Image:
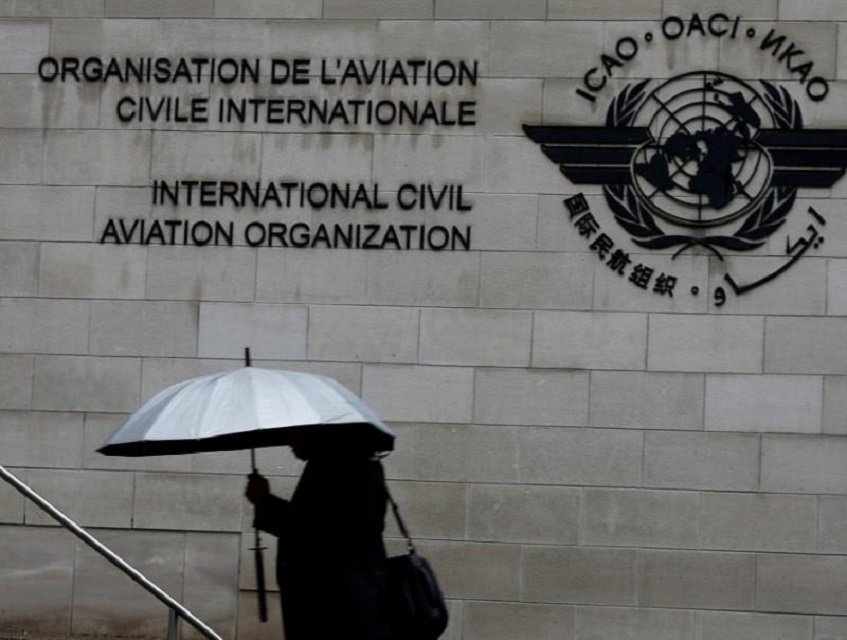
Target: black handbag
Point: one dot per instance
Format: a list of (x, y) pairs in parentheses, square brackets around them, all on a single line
[(418, 610)]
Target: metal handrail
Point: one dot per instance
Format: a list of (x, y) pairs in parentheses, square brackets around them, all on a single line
[(177, 611)]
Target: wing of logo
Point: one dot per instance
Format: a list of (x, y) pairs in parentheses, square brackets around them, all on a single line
[(701, 152)]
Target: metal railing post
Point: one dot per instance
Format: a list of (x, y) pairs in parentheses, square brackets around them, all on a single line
[(177, 611), (173, 625)]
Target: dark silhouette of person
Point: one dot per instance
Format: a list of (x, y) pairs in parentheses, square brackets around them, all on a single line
[(330, 554)]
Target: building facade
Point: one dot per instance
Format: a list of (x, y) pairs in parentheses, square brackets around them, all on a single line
[(588, 260)]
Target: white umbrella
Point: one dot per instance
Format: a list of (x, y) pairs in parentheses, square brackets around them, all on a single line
[(243, 409)]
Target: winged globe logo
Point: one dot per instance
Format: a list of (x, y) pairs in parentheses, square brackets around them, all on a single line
[(702, 160)]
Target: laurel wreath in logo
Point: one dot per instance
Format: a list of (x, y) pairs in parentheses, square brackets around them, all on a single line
[(632, 213)]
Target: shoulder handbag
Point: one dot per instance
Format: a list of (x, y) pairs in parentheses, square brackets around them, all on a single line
[(418, 610)]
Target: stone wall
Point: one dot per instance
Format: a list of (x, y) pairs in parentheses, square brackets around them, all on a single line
[(580, 458)]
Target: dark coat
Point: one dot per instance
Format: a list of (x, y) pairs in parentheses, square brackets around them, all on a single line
[(330, 554)]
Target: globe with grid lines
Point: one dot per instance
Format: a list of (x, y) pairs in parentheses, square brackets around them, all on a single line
[(702, 166)]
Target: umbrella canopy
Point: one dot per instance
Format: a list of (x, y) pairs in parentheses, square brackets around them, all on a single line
[(246, 408)]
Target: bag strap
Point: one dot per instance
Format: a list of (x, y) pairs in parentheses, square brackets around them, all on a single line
[(400, 524)]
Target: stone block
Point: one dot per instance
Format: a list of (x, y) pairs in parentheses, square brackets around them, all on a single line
[(160, 373), (453, 39), (536, 280), (430, 509), (491, 9), (59, 8), (92, 271), (802, 290), (11, 501), (801, 584), (36, 439), (107, 603), (143, 328), (604, 10), (404, 159), (712, 461), (517, 165), (830, 628), (556, 230), (646, 399), (187, 501), (159, 8), (201, 273), (696, 579), (215, 38), (503, 105), (22, 44), (531, 515), (314, 276), (211, 570), (47, 213), (806, 345), (33, 104), (835, 404), (363, 334), (764, 403), (836, 295), (110, 111), (804, 464), (338, 38), (312, 157), (206, 156), (563, 105), (758, 522), (97, 157), (81, 37), (480, 337), (493, 219), (616, 293), (535, 49), (602, 623), (460, 453), (16, 381), (90, 498), (760, 10), (29, 325), (274, 331), (659, 60), (268, 9), (418, 393), (384, 9), (79, 383), (22, 162), (509, 620), (528, 396), (589, 340), (634, 518), (731, 625), (576, 575), (832, 524), (422, 279), (705, 343), (468, 570), (817, 39), (580, 456), (19, 265), (39, 605)]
